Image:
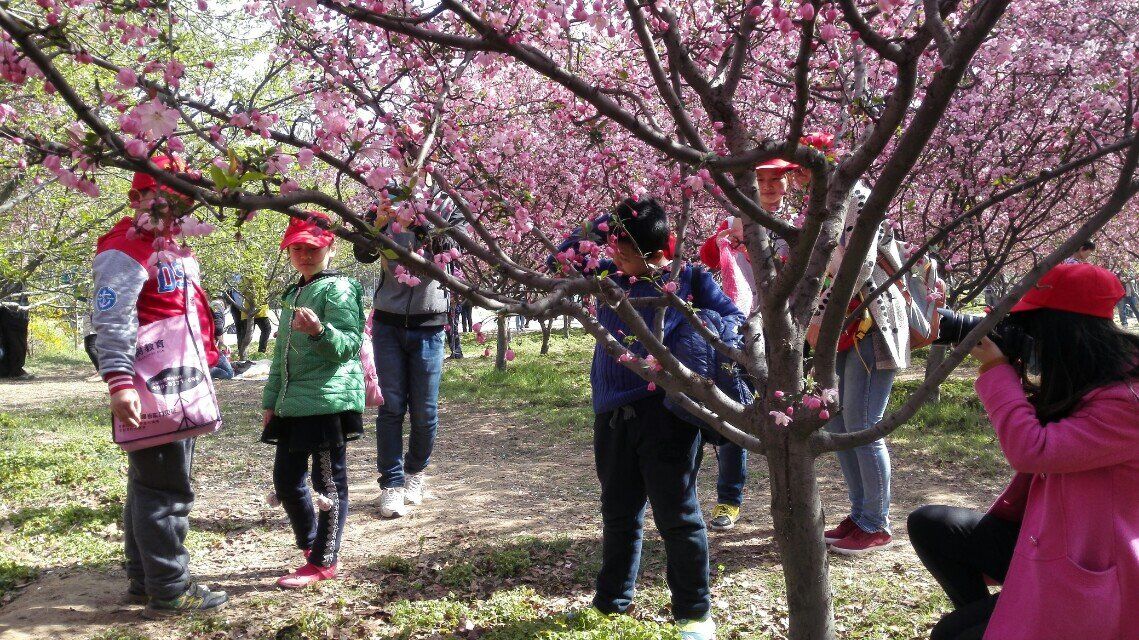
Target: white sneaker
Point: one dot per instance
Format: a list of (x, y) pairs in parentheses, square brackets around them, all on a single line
[(414, 486), (391, 503)]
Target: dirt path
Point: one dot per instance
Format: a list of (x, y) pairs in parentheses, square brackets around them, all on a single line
[(63, 385), (492, 479)]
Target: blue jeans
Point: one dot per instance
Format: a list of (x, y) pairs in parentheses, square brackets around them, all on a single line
[(731, 462), (223, 370), (646, 455), (866, 469), (410, 363)]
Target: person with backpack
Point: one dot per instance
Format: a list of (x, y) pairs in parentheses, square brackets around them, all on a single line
[(136, 285), (314, 397), (408, 319), (872, 350), (643, 451)]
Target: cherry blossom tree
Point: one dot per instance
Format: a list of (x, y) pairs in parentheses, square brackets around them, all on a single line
[(982, 128)]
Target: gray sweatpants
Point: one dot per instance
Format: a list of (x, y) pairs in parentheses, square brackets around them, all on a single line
[(156, 518)]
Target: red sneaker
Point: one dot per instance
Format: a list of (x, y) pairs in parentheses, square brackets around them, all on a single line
[(860, 542), (844, 529), (306, 575)]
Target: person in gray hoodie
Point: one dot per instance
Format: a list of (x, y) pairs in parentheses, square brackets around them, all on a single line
[(408, 318)]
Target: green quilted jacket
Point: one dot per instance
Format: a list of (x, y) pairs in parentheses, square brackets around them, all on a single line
[(312, 376)]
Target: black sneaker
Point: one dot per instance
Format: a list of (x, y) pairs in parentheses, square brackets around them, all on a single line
[(195, 598)]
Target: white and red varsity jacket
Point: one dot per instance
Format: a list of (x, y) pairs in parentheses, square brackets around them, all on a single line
[(130, 293)]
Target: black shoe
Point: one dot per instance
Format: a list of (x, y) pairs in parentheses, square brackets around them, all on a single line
[(136, 594), (195, 598)]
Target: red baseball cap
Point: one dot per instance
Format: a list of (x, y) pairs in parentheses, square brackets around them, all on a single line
[(1079, 288), (777, 164), (306, 231), (143, 181)]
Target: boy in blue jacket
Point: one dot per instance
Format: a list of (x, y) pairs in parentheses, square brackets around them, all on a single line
[(643, 452)]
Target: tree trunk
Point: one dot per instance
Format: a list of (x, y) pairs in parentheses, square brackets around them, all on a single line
[(936, 355), (797, 514), (565, 326), (502, 340), (547, 329)]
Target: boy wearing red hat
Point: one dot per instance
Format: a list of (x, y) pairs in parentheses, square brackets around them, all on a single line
[(314, 397), (135, 285)]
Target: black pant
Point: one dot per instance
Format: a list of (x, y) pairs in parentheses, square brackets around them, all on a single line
[(321, 533), (241, 328), (13, 342), (89, 347), (264, 328), (644, 452), (960, 547), (454, 337), (156, 518), (468, 322)]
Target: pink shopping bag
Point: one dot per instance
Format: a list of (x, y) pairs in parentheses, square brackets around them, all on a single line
[(173, 382), (373, 397)]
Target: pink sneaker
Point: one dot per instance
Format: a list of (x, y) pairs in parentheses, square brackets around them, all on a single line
[(859, 542), (306, 575), (844, 529)]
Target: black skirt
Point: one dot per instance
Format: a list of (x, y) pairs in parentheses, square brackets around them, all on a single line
[(314, 433)]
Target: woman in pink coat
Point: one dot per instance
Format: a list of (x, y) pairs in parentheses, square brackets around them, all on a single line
[(1064, 536)]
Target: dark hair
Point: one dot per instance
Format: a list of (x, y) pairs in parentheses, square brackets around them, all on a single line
[(1088, 244), (642, 222), (1075, 353)]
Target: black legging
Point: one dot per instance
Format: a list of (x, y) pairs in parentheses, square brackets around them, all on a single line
[(264, 328), (960, 547)]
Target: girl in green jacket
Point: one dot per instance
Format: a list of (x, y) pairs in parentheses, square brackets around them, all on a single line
[(314, 398)]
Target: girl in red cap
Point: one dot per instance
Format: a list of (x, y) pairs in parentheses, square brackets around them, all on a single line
[(726, 253), (314, 398), (1063, 538)]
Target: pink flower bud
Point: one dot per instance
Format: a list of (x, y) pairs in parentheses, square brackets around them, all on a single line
[(825, 415)]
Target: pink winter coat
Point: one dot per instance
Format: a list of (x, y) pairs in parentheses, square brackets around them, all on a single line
[(1075, 569)]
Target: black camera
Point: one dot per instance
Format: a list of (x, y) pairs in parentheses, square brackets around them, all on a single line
[(1008, 335)]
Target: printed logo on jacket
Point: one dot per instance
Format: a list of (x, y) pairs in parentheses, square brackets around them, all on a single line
[(171, 276)]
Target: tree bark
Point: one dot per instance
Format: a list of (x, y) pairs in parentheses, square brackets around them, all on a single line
[(936, 355), (502, 339), (797, 514), (565, 326), (547, 329)]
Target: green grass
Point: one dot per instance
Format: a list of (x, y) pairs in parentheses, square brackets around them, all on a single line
[(952, 432), (120, 632), (552, 389), (62, 492), (517, 614)]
